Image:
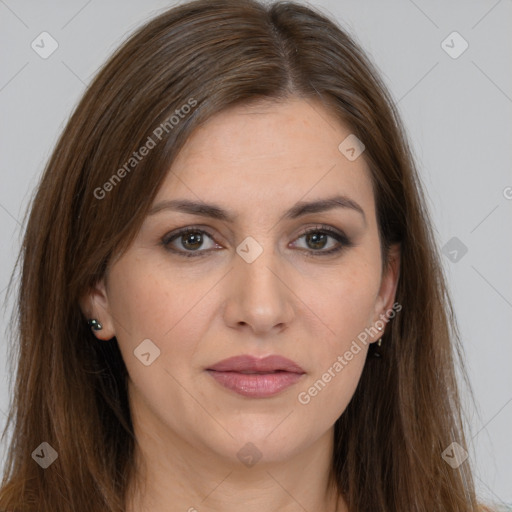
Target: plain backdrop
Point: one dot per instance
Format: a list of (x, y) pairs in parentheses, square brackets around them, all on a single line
[(457, 109)]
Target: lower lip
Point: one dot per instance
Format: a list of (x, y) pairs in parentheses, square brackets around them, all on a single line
[(256, 385)]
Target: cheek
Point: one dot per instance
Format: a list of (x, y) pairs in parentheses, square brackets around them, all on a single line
[(340, 358), (347, 308), (137, 303), (162, 306), (345, 304), (355, 298), (147, 300), (327, 396)]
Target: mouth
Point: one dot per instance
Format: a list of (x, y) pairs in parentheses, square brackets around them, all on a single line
[(256, 378)]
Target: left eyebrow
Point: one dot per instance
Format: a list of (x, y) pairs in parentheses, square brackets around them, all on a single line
[(298, 210)]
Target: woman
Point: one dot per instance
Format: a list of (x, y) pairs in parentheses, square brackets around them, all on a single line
[(230, 291)]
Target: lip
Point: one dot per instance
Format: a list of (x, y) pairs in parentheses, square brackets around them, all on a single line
[(269, 375)]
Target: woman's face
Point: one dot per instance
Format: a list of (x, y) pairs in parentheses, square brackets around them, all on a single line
[(252, 284)]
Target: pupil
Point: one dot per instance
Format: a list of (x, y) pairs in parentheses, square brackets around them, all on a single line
[(193, 236), (315, 237)]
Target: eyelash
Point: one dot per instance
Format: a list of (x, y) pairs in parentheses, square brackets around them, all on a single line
[(338, 236)]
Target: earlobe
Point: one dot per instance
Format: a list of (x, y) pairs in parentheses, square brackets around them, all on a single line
[(95, 307), (389, 281), (384, 304)]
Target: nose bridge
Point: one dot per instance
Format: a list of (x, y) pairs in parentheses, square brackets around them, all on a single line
[(257, 264), (259, 296)]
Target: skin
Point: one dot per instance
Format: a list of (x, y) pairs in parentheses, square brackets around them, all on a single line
[(257, 161)]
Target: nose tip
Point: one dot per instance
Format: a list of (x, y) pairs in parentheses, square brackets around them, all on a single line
[(258, 296)]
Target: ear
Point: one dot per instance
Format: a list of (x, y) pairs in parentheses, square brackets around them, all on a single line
[(94, 304), (388, 286)]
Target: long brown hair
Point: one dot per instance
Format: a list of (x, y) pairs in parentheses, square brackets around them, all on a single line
[(70, 390)]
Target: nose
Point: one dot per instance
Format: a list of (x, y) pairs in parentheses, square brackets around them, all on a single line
[(259, 292)]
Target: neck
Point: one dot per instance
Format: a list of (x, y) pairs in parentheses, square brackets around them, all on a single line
[(179, 477)]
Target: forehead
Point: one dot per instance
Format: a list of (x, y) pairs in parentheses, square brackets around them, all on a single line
[(268, 153)]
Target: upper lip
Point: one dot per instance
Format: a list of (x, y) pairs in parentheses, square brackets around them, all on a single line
[(248, 363)]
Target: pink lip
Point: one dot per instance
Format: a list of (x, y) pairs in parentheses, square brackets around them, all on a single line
[(272, 375)]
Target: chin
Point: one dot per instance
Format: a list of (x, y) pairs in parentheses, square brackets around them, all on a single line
[(256, 447)]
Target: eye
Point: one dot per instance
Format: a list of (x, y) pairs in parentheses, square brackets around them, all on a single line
[(192, 239), (318, 237)]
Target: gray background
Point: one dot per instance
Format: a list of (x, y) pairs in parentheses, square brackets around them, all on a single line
[(457, 112)]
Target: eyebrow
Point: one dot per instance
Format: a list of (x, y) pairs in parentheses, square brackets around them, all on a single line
[(298, 210)]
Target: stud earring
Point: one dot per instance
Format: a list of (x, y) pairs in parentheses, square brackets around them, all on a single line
[(379, 343), (96, 326)]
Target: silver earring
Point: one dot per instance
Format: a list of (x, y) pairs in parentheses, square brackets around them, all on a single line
[(379, 343), (96, 326)]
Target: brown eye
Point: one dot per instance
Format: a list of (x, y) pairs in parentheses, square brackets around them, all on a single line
[(190, 239), (317, 239), (189, 242)]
